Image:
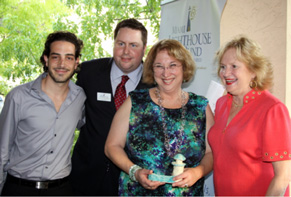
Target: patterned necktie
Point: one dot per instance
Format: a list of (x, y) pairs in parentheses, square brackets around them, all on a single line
[(120, 93)]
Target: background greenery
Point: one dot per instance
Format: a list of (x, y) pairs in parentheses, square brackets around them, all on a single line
[(25, 24)]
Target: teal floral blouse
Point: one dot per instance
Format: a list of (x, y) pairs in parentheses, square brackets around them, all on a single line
[(145, 142)]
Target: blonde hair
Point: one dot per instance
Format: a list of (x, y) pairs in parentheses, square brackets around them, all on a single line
[(249, 52), (175, 49)]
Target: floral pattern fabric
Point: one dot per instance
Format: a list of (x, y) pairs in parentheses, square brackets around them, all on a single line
[(145, 142)]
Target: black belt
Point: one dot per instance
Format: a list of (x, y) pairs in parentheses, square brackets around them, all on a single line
[(36, 184)]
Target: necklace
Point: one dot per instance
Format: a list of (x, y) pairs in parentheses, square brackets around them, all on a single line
[(164, 124), (236, 105)]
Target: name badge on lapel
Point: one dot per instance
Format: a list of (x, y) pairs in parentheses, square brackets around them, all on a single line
[(101, 96)]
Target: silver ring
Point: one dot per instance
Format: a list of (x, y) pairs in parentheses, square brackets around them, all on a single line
[(186, 185)]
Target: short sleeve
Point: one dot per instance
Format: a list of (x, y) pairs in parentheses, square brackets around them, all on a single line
[(276, 134)]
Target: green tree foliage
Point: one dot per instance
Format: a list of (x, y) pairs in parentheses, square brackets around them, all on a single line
[(24, 25), (23, 28)]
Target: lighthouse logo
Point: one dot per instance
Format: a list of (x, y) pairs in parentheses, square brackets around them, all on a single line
[(191, 16)]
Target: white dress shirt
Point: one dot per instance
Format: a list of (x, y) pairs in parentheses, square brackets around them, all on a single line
[(131, 84)]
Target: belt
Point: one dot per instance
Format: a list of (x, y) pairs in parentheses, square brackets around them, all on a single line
[(36, 184)]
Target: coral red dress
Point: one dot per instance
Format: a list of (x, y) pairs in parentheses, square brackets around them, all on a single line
[(243, 151)]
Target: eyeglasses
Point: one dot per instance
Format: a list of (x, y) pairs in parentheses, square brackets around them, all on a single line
[(172, 68)]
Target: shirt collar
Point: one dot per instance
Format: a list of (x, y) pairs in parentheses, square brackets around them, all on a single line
[(36, 85), (249, 97)]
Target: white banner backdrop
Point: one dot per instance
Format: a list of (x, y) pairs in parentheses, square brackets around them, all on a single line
[(196, 24)]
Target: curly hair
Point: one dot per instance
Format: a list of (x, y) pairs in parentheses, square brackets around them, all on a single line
[(132, 24), (249, 52), (61, 36), (175, 49)]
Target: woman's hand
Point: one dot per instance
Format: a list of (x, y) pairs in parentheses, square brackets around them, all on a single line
[(191, 175), (188, 178), (142, 177)]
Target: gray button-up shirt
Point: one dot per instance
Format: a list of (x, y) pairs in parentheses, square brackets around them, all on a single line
[(35, 139)]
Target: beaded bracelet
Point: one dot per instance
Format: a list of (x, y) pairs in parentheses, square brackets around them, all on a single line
[(132, 171)]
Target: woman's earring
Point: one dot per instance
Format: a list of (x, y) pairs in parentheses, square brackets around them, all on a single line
[(253, 84)]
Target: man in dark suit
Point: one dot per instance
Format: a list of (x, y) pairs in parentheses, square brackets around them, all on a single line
[(92, 172)]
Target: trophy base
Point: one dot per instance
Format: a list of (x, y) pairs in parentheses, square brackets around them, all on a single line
[(161, 178)]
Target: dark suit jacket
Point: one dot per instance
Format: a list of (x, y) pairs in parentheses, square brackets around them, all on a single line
[(92, 172)]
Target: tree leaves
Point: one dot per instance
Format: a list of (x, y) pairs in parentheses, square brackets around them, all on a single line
[(24, 26)]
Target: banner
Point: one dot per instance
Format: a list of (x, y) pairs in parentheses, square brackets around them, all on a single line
[(196, 24)]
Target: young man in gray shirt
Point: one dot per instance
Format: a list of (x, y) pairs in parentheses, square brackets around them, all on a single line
[(38, 121)]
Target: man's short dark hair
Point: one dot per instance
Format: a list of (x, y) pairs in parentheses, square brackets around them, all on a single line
[(132, 24), (60, 36)]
